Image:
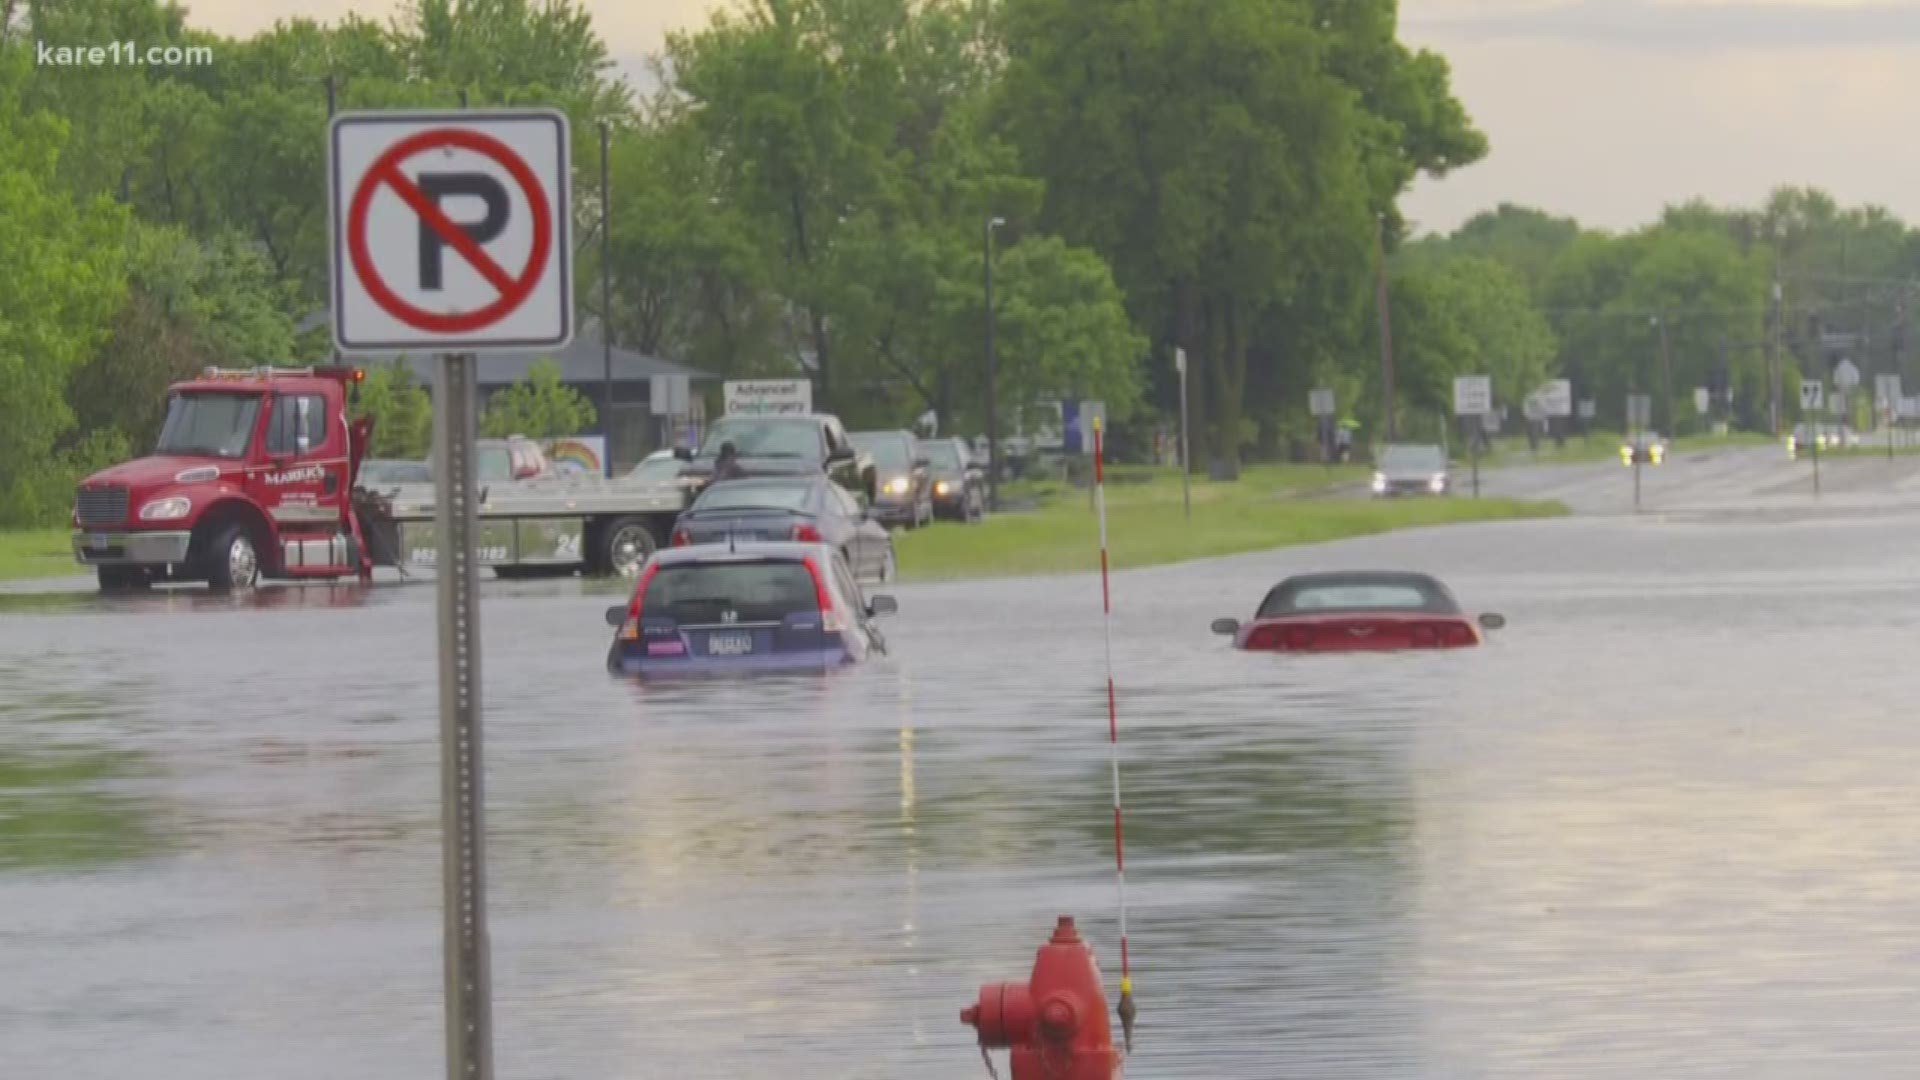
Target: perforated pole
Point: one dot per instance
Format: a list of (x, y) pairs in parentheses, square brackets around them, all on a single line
[(469, 985), (1126, 1007)]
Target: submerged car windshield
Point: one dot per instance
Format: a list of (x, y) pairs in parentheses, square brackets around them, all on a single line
[(1358, 593), (209, 423), (1413, 459), (754, 495), (889, 451), (750, 591), (764, 438)]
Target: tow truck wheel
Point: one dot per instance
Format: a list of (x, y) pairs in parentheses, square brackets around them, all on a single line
[(626, 545), (123, 578), (232, 561)]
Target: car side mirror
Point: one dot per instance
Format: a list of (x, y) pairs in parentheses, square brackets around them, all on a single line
[(1226, 627), (879, 606), (841, 453), (682, 453), (616, 615), (1492, 621)]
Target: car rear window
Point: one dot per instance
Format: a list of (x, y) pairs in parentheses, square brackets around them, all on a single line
[(1310, 597), (738, 496), (751, 591)]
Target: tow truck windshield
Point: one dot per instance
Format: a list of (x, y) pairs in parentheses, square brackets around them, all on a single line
[(210, 423)]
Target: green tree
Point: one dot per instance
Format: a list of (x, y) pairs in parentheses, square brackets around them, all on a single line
[(401, 411), (60, 260), (539, 406)]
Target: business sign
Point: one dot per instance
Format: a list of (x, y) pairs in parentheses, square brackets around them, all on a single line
[(449, 230), (1556, 397), (768, 397), (1472, 395), (1320, 402)]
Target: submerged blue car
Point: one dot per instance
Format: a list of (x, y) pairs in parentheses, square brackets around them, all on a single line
[(744, 607)]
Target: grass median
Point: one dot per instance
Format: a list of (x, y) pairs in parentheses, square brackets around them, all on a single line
[(1269, 507), (36, 553)]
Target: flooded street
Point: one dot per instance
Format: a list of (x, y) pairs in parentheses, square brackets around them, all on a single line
[(1662, 826)]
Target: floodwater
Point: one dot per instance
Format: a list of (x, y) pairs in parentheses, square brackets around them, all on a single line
[(1662, 826)]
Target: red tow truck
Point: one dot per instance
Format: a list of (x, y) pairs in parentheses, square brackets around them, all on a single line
[(253, 477)]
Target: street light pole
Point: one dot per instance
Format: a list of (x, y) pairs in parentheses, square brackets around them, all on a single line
[(1773, 354), (1666, 379), (1386, 325), (606, 300), (993, 411)]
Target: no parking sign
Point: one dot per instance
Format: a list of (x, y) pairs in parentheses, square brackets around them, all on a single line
[(450, 230)]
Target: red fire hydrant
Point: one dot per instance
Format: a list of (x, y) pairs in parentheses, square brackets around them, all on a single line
[(1056, 1021)]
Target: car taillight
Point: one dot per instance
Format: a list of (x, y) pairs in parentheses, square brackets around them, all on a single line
[(807, 534), (1422, 636), (682, 538), (1299, 638), (1266, 637), (1459, 635), (830, 620), (632, 629)]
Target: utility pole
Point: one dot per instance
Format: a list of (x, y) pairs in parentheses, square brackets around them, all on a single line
[(1186, 464), (1386, 326), (993, 410), (1773, 353), (1666, 379), (606, 299)]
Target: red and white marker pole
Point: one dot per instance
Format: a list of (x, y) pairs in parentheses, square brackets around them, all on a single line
[(1126, 1008)]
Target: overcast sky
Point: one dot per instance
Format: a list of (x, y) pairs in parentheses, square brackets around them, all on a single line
[(1602, 109)]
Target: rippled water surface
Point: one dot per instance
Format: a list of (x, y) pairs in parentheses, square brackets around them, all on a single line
[(1663, 826)]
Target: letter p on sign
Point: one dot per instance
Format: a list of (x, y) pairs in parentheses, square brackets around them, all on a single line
[(450, 230)]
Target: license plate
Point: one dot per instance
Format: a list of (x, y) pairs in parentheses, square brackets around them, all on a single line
[(729, 644), (98, 541)]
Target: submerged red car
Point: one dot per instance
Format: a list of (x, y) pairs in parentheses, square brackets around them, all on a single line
[(1358, 611)]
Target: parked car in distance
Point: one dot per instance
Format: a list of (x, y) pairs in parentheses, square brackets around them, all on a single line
[(804, 509), (753, 607), (959, 482), (903, 480), (1411, 469), (1644, 447), (1358, 611)]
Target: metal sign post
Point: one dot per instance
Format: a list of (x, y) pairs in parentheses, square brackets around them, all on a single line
[(469, 980), (1812, 398), (1320, 404), (414, 269), (1639, 416), (1186, 464)]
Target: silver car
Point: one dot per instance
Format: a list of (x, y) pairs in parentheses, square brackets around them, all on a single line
[(1411, 469)]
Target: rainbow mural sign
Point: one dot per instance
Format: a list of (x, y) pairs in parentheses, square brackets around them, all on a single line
[(584, 455)]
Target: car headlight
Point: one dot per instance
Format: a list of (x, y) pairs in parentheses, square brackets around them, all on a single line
[(943, 487), (898, 486), (166, 509), (1379, 481)]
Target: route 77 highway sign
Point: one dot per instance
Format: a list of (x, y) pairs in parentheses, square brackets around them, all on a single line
[(1813, 393)]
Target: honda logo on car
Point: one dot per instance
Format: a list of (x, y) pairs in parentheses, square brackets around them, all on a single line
[(305, 474)]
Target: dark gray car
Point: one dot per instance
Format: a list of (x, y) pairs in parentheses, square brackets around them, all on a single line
[(903, 483), (805, 509)]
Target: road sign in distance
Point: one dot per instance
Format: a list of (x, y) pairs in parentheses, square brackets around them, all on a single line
[(1702, 401), (1845, 375), (1472, 395), (1813, 394), (1556, 397), (1589, 409), (1886, 389), (1320, 402), (1639, 410), (449, 230)]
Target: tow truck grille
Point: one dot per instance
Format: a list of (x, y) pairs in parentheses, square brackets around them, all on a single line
[(101, 506)]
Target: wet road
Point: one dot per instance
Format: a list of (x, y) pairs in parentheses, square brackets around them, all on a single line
[(1662, 827)]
